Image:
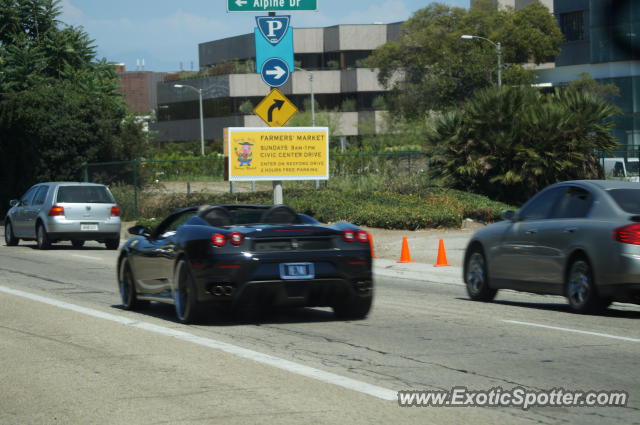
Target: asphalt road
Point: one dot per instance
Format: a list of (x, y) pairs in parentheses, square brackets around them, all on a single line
[(73, 356)]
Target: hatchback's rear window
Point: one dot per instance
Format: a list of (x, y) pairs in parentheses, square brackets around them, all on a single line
[(84, 195), (627, 199)]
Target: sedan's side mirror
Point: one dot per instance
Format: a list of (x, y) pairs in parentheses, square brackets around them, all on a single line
[(139, 230), (14, 203), (509, 215)]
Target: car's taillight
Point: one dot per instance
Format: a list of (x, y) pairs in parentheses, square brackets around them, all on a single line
[(115, 212), (628, 234), (218, 240), (236, 238), (362, 236), (349, 236), (56, 211)]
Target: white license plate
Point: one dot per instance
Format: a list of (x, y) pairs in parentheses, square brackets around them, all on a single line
[(298, 271), (88, 227)]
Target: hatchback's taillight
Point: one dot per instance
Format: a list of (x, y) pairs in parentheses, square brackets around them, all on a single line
[(628, 234), (349, 235), (56, 211), (218, 240), (115, 212), (236, 238)]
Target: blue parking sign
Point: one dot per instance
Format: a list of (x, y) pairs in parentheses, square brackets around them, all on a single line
[(273, 28)]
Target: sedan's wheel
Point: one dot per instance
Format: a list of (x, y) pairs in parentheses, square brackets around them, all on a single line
[(127, 287), (42, 239), (184, 294), (476, 277), (581, 290), (354, 307), (112, 243), (9, 238), (77, 244)]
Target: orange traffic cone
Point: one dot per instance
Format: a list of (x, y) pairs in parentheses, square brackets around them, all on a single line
[(442, 256), (373, 252), (405, 255)]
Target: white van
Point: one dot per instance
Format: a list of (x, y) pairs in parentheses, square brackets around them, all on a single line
[(621, 169)]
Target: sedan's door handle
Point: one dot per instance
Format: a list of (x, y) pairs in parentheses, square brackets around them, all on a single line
[(570, 229), (531, 231)]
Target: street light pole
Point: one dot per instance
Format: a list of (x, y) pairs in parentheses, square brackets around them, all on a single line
[(313, 100), (199, 91), (498, 47)]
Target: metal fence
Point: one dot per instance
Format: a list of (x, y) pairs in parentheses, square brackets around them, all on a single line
[(140, 176)]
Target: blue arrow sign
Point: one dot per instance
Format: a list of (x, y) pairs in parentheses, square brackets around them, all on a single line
[(273, 28), (275, 72), (266, 50)]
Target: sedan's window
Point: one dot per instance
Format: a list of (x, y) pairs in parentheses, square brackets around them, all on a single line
[(40, 196), (541, 205), (627, 199), (575, 203), (85, 195)]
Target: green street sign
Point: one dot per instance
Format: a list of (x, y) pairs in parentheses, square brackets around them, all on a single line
[(271, 5)]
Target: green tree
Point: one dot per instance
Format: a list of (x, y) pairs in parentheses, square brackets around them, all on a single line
[(510, 143), (432, 68), (586, 83), (58, 103)]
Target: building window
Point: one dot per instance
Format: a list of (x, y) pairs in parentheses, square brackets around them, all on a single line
[(572, 25)]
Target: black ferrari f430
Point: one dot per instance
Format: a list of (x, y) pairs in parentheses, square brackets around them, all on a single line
[(231, 257)]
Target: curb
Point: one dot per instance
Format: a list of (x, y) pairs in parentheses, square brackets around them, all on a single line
[(450, 275)]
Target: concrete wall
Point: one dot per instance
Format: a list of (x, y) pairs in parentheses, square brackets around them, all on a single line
[(308, 40)]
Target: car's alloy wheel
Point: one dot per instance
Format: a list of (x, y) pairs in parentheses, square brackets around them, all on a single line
[(42, 239), (476, 277), (9, 238), (184, 294), (581, 291)]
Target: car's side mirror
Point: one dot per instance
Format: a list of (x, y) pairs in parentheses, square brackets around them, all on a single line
[(14, 203), (509, 215), (139, 230)]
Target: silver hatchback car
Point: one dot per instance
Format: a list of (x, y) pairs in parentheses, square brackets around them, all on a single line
[(56, 211), (580, 239)]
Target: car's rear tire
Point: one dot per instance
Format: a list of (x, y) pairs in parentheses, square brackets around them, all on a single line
[(185, 294), (581, 290), (42, 238), (77, 243), (112, 243), (127, 288), (476, 276), (354, 307), (9, 237)]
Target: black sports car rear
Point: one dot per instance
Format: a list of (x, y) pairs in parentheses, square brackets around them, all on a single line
[(232, 257)]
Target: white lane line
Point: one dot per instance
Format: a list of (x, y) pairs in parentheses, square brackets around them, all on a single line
[(317, 374), (577, 331), (86, 256)]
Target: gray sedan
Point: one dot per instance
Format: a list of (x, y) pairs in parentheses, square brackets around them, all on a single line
[(51, 212), (579, 239)]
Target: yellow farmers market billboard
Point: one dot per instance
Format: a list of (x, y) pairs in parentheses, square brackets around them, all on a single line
[(279, 153)]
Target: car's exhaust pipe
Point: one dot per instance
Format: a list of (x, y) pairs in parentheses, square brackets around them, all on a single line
[(228, 290), (218, 291)]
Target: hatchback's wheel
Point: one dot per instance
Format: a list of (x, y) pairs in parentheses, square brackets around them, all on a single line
[(77, 243), (9, 237), (354, 307), (476, 277), (127, 288), (42, 239), (185, 294), (581, 290), (112, 243)]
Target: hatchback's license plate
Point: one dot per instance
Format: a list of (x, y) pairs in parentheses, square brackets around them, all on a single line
[(88, 227), (297, 271)]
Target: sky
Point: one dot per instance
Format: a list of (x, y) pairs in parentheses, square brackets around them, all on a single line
[(166, 34)]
